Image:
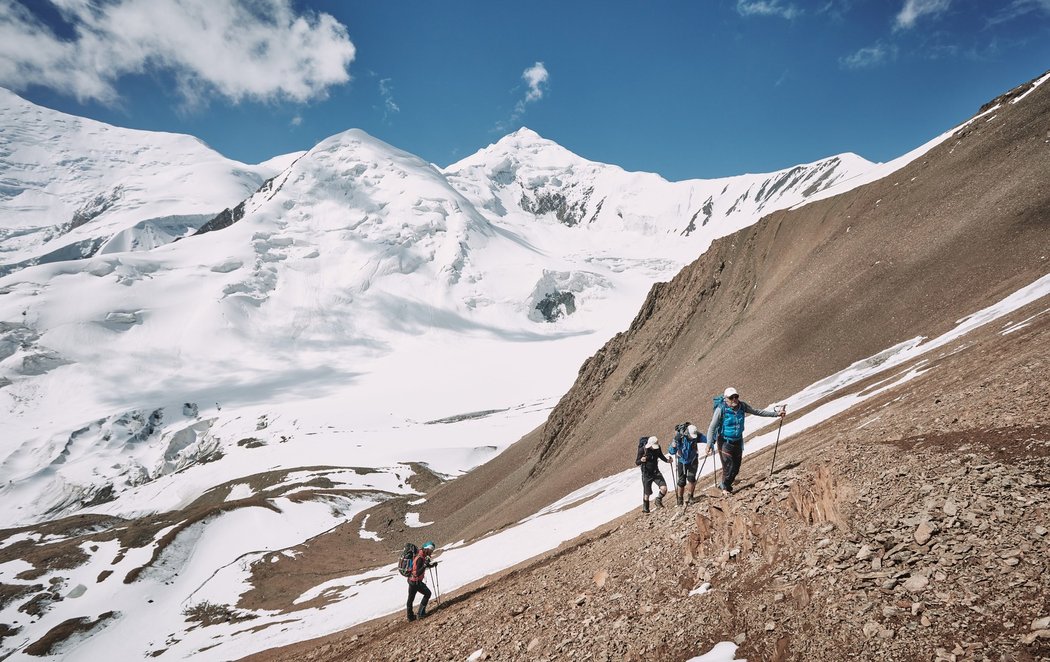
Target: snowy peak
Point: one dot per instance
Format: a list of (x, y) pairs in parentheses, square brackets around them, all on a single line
[(74, 187), (524, 172)]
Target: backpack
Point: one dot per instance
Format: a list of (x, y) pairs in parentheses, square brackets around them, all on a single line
[(642, 441), (684, 447), (408, 554)]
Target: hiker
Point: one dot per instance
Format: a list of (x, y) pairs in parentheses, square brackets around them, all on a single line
[(649, 454), (727, 429), (684, 448), (416, 575)]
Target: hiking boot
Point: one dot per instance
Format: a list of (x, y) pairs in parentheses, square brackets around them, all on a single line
[(680, 502), (411, 617), (660, 501), (645, 506), (422, 613), (692, 499)]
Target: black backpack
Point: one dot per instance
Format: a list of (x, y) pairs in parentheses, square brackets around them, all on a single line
[(408, 554)]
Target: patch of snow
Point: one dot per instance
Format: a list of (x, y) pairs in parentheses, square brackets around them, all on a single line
[(722, 652), (412, 520), (240, 491), (701, 589)]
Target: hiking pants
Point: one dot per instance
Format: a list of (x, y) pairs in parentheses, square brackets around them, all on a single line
[(648, 479), (688, 472), (732, 453), (421, 588)]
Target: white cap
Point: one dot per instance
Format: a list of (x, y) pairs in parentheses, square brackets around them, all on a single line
[(691, 431), (652, 443), (730, 391)]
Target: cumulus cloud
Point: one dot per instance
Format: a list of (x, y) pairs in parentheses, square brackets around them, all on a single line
[(767, 8), (869, 56), (259, 50), (915, 9)]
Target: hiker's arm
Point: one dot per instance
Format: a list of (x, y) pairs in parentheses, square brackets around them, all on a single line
[(641, 457), (760, 412), (713, 429)]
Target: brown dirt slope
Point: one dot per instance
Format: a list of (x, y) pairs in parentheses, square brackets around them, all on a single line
[(777, 306), (913, 526)]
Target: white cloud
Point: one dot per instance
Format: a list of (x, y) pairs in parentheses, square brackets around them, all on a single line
[(386, 90), (238, 49), (536, 76), (297, 120), (767, 8), (914, 9), (869, 56), (1020, 8)]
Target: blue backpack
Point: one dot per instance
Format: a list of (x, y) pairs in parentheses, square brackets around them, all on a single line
[(685, 448)]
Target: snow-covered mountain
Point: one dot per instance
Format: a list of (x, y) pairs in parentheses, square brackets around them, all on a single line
[(71, 187), (523, 172), (337, 266)]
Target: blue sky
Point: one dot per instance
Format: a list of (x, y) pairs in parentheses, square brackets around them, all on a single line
[(685, 89)]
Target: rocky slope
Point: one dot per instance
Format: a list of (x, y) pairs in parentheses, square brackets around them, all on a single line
[(913, 527)]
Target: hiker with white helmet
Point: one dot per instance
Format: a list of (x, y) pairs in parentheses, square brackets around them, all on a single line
[(649, 456), (420, 562), (684, 448), (727, 429)]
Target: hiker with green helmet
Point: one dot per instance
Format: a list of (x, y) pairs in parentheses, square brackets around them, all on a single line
[(416, 575), (727, 429), (649, 455)]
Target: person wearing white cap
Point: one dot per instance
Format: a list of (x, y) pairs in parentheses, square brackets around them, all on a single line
[(649, 456), (684, 448), (727, 429)]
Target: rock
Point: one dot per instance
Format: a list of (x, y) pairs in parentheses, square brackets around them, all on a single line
[(865, 553), (600, 577), (1010, 553), (580, 600), (1032, 636), (1040, 531), (533, 644), (778, 597), (950, 508), (770, 625), (925, 621), (916, 583), (1041, 623), (886, 633), (924, 532), (871, 628), (740, 639), (917, 608)]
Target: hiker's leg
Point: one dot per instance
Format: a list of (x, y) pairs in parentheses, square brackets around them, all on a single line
[(735, 453), (412, 588), (647, 490), (425, 592)]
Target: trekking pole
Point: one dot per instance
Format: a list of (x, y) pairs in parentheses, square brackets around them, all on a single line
[(437, 586), (771, 465)]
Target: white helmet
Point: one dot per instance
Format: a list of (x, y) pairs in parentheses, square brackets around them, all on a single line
[(730, 392), (691, 431), (652, 443)]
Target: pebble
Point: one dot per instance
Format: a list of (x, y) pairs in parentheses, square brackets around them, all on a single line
[(865, 553), (1041, 623), (924, 532), (916, 583)]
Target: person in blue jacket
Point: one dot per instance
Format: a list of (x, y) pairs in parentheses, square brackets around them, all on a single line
[(727, 429), (684, 448)]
